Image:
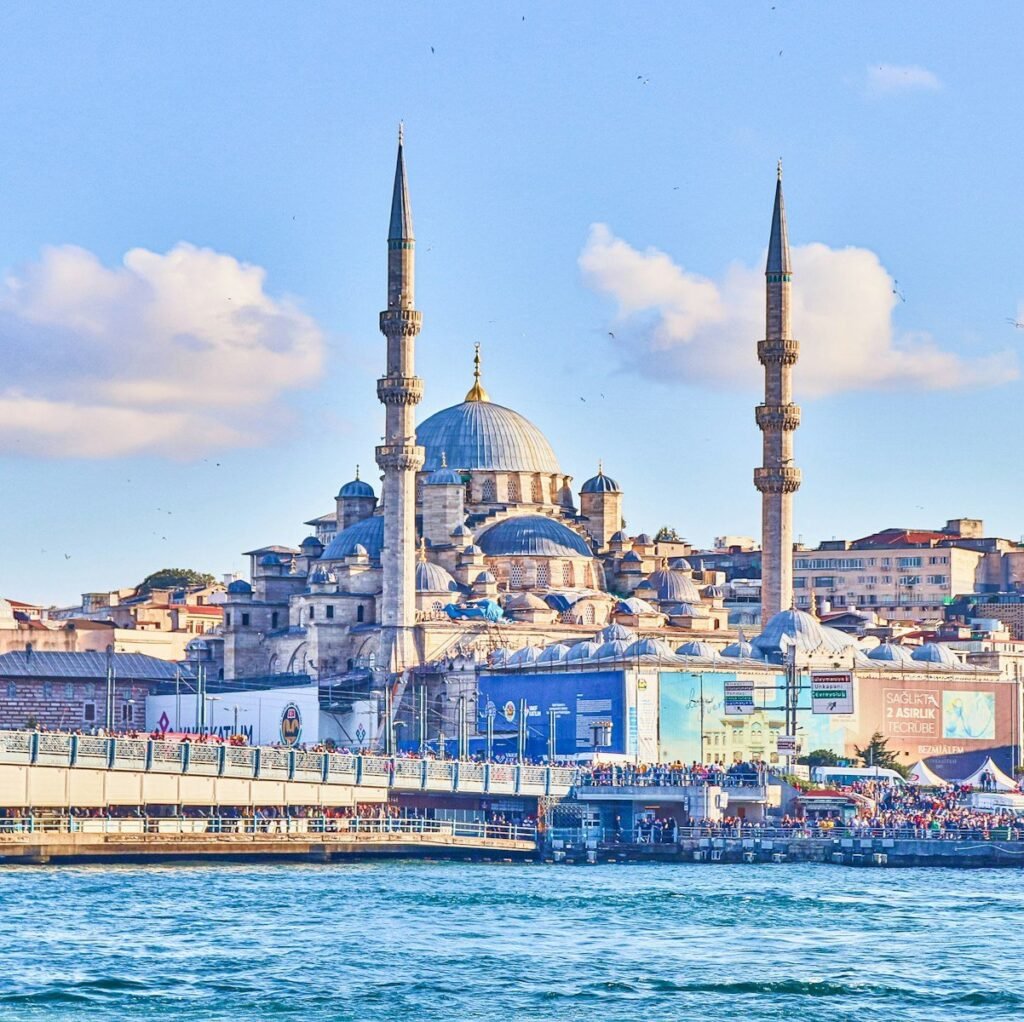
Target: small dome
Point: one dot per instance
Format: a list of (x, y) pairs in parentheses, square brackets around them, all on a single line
[(713, 593), (643, 540), (498, 657), (613, 649), (553, 654), (460, 530), (650, 646), (933, 653), (891, 652), (432, 578), (634, 605), (484, 578), (472, 550), (367, 535), (616, 631), (695, 648), (321, 577), (741, 648), (787, 628), (311, 543), (525, 601), (619, 537), (600, 484), (680, 564), (444, 476), (270, 561), (633, 557), (533, 535), (357, 488), (523, 657), (673, 586), (582, 651), (197, 646), (239, 587), (689, 610)]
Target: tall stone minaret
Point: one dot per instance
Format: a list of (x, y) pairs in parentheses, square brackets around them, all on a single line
[(399, 390), (778, 417)]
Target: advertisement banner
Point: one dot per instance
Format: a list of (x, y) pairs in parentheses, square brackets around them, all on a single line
[(831, 691), (739, 697)]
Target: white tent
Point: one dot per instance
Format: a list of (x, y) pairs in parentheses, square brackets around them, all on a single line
[(922, 774), (998, 781)]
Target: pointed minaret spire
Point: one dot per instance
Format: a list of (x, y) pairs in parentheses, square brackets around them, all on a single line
[(778, 241), (401, 207)]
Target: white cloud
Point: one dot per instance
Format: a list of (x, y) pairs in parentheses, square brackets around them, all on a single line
[(174, 354), (675, 325), (887, 78)]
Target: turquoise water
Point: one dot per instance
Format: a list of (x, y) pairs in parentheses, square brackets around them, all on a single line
[(413, 940)]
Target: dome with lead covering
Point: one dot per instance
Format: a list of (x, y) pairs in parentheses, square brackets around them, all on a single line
[(616, 631), (553, 654), (524, 657), (697, 648), (649, 646), (532, 535), (582, 651), (369, 534), (270, 561), (357, 488), (933, 653), (600, 484), (634, 605), (672, 586), (613, 649), (239, 587), (432, 578), (740, 648), (891, 652)]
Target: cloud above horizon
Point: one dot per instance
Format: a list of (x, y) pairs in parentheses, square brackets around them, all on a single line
[(675, 325), (884, 79), (175, 354)]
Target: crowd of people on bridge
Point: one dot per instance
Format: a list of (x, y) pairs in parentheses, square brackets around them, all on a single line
[(674, 774)]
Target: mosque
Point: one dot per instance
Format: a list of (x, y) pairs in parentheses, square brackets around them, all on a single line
[(475, 586)]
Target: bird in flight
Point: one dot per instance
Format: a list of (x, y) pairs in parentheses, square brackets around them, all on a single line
[(897, 292), (1015, 322)]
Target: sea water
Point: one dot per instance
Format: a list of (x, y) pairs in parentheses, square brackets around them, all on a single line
[(437, 940)]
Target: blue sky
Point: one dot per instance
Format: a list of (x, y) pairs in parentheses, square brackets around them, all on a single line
[(154, 155)]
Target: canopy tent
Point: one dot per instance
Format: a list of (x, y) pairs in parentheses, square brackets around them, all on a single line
[(997, 780), (922, 774)]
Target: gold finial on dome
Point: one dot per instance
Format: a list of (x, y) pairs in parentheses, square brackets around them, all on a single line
[(477, 392), (600, 466), (423, 550)]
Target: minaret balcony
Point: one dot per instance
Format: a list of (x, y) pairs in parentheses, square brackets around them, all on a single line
[(778, 352), (777, 418), (403, 457), (400, 390), (782, 479), (401, 322)]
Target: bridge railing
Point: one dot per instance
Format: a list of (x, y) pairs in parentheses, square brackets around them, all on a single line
[(49, 748), (23, 828)]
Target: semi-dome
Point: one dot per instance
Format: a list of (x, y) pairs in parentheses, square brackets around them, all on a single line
[(582, 651), (672, 586), (357, 488), (933, 653), (533, 535), (616, 631), (369, 534), (634, 605), (649, 646), (600, 484), (485, 436), (239, 587), (432, 578), (891, 652), (696, 648)]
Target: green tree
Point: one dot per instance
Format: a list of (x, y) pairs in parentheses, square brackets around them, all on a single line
[(666, 534), (175, 578), (819, 757), (877, 753)]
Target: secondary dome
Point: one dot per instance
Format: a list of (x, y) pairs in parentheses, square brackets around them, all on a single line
[(532, 535), (432, 578), (369, 534), (600, 484), (482, 435), (891, 652), (673, 586), (357, 488), (933, 653)]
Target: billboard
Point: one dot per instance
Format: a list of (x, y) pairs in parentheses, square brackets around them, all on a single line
[(831, 692), (580, 700), (739, 697)]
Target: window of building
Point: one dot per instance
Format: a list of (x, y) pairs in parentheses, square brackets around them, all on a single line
[(568, 574), (227, 618), (909, 562), (69, 691), (937, 580), (89, 713), (799, 583), (126, 713), (543, 574), (488, 491), (330, 611), (12, 690), (245, 620), (537, 490), (47, 689), (359, 612), (515, 575), (824, 581), (588, 576), (273, 619), (514, 493), (589, 614), (438, 606), (312, 613)]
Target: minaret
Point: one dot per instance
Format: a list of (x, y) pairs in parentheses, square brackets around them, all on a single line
[(778, 417), (400, 390)]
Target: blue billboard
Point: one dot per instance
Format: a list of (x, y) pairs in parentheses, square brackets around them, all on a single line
[(580, 699)]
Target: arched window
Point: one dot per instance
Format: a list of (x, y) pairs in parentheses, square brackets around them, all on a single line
[(514, 493), (568, 574), (360, 612), (419, 489), (543, 574), (589, 614), (588, 577), (537, 491), (488, 492), (12, 690), (515, 575)]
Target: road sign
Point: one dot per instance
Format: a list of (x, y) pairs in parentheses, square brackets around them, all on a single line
[(787, 744), (739, 697), (831, 691)]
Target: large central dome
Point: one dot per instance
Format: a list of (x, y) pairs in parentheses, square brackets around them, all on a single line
[(481, 435)]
